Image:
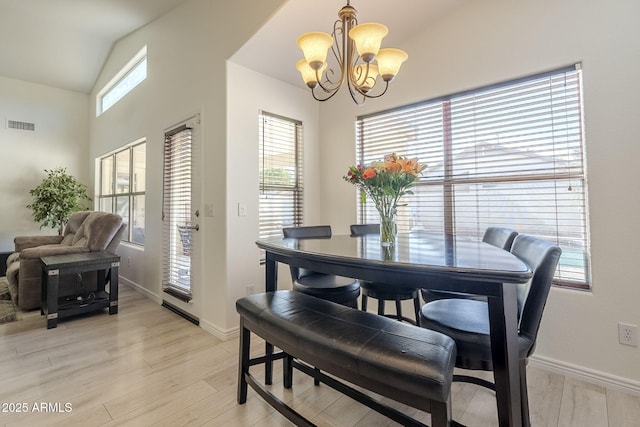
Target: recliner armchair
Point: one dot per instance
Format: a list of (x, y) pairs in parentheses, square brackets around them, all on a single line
[(86, 231)]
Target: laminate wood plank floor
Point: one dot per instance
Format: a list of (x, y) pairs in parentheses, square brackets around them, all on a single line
[(146, 366)]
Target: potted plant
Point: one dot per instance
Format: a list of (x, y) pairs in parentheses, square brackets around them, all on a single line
[(56, 198)]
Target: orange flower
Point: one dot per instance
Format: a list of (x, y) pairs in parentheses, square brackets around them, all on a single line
[(410, 166), (392, 166), (369, 173)]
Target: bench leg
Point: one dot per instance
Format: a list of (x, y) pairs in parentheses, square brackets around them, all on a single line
[(287, 371), (441, 414), (243, 362), (316, 378), (268, 365)]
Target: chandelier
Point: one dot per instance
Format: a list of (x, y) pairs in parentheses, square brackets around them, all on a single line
[(359, 59)]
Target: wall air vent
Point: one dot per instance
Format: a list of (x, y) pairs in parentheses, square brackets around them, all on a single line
[(13, 124)]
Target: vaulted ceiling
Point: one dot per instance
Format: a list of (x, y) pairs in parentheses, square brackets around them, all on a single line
[(64, 43)]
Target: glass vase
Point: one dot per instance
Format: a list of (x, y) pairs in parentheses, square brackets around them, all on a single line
[(388, 229)]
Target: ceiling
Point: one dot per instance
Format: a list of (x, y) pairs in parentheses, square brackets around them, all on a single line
[(273, 50), (64, 43)]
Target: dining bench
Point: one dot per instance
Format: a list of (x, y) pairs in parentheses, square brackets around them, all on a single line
[(342, 347)]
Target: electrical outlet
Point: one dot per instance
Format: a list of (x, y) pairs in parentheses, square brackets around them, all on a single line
[(242, 209), (628, 334)]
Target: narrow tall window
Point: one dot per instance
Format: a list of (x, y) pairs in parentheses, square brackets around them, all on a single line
[(281, 189), (122, 188), (177, 212), (131, 75), (507, 155)]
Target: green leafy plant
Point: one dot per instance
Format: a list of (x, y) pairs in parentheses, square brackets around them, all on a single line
[(56, 198)]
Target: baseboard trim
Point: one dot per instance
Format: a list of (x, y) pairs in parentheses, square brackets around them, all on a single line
[(140, 289), (221, 334), (587, 375)]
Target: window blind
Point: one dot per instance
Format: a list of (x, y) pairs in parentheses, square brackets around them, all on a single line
[(507, 155), (176, 213), (280, 170)]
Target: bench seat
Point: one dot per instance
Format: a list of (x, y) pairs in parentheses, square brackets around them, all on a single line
[(405, 363)]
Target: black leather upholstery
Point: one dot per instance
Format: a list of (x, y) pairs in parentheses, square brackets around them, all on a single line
[(500, 237), (467, 321), (407, 364), (381, 291), (362, 229), (342, 290)]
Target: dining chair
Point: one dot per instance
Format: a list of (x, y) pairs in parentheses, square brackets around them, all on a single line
[(382, 291), (338, 289), (500, 237), (467, 320)]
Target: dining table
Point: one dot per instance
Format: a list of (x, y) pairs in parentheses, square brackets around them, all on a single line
[(426, 260)]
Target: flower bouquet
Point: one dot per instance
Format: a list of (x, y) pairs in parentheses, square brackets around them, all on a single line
[(385, 182)]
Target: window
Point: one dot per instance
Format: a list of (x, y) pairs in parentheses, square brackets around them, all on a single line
[(134, 73), (280, 170), (507, 155), (122, 188)]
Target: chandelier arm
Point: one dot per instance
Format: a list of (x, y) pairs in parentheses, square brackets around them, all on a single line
[(332, 93), (378, 95), (338, 35)]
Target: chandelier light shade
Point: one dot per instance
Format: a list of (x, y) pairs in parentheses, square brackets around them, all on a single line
[(315, 47), (356, 59), (389, 62), (368, 38)]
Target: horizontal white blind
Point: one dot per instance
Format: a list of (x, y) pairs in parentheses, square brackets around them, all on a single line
[(176, 213), (280, 169), (509, 155)]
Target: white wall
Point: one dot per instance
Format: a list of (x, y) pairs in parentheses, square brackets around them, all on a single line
[(187, 51), (494, 40), (249, 92), (60, 139)]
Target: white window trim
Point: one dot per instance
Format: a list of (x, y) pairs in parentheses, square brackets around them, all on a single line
[(142, 54)]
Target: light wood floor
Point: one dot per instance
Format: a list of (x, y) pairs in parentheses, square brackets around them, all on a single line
[(147, 366)]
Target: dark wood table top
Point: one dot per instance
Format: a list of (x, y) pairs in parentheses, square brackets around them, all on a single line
[(416, 256)]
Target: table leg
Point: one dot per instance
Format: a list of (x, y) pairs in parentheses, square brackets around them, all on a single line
[(50, 287), (271, 284), (504, 348), (113, 288)]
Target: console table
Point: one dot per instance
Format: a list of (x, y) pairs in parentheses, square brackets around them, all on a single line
[(55, 266)]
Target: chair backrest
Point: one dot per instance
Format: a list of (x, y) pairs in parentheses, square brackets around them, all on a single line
[(363, 229), (500, 237), (96, 230), (542, 257), (307, 232)]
